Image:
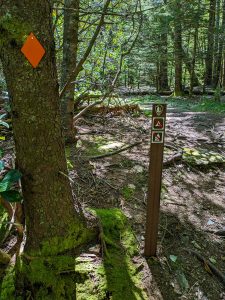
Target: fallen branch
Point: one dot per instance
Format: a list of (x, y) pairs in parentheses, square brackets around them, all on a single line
[(212, 268), (217, 232), (171, 160), (174, 203), (115, 152)]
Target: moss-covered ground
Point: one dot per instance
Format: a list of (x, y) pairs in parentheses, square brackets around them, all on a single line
[(111, 274), (116, 276)]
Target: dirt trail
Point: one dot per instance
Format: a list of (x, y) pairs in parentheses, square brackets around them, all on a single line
[(192, 202)]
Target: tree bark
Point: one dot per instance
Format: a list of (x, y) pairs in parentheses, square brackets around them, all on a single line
[(53, 227), (210, 47), (70, 46), (163, 64), (192, 77), (218, 58), (178, 49)]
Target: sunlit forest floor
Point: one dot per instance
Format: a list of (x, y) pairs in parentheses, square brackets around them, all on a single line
[(193, 192), (192, 202)]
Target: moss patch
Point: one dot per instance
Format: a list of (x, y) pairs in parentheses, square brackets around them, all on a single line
[(116, 276), (202, 157), (7, 291), (119, 276), (59, 276), (128, 192)]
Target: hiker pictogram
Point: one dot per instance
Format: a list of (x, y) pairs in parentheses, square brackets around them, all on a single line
[(159, 110)]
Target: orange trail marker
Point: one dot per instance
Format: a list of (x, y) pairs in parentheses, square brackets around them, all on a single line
[(33, 50)]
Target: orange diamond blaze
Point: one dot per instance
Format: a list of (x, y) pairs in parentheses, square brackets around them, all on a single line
[(33, 50)]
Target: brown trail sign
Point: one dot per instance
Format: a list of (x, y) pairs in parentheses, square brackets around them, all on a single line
[(155, 178)]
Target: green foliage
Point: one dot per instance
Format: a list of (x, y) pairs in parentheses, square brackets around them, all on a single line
[(5, 124), (2, 165), (178, 269), (11, 196), (208, 105), (6, 183), (12, 29), (202, 157), (7, 291), (3, 222), (127, 192)]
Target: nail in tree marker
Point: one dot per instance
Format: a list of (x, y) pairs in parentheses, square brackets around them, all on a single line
[(33, 50), (155, 178)]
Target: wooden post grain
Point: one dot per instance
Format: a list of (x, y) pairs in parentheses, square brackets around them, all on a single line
[(155, 178)]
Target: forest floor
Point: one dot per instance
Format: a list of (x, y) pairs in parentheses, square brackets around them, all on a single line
[(192, 203), (192, 198)]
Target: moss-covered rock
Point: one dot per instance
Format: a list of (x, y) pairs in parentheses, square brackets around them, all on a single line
[(202, 157)]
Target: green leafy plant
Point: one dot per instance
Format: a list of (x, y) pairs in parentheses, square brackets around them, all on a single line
[(7, 192), (6, 186), (5, 124)]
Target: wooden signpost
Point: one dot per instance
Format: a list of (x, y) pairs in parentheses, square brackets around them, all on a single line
[(155, 178)]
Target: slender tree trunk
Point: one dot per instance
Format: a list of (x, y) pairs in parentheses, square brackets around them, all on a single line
[(216, 40), (70, 45), (210, 47), (223, 71), (192, 79), (178, 49), (163, 64), (218, 59), (53, 227)]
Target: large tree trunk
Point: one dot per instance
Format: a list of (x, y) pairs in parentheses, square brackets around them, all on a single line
[(52, 224), (70, 46), (210, 47), (178, 49)]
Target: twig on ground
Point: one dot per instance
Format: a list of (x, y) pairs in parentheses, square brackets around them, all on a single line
[(115, 152), (174, 203), (173, 159), (212, 268), (217, 232)]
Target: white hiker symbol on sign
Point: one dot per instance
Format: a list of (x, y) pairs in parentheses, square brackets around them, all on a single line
[(159, 110)]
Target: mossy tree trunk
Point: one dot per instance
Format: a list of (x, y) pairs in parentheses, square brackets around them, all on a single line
[(53, 226), (70, 44)]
